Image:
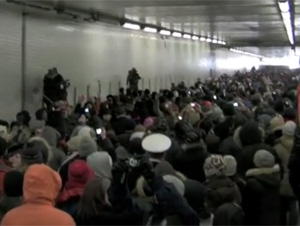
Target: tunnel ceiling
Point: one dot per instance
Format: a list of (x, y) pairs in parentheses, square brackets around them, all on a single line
[(238, 22)]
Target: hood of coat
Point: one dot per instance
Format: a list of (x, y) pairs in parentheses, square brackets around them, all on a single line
[(41, 185), (101, 164), (287, 142), (250, 134), (270, 177)]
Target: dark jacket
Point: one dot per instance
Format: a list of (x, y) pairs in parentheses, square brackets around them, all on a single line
[(123, 124), (229, 214), (294, 165), (190, 161), (261, 200), (248, 153), (229, 147), (220, 190), (125, 210)]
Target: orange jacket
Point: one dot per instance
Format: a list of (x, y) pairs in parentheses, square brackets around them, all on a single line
[(40, 189)]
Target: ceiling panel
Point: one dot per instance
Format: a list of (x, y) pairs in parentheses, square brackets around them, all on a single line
[(239, 22)]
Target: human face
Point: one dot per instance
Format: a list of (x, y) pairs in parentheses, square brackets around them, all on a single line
[(15, 160)]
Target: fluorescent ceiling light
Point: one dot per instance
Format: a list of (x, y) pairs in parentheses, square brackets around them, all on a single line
[(177, 34), (284, 6), (187, 36), (132, 26), (220, 42), (165, 32), (150, 29), (215, 41), (202, 39), (208, 40), (195, 37), (286, 16), (223, 43)]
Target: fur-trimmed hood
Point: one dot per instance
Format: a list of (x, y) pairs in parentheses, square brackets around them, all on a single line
[(263, 171), (269, 177)]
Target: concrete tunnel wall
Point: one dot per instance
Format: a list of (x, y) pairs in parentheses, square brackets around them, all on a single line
[(87, 53)]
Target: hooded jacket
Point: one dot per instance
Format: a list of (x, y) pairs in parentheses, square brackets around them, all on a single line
[(221, 189), (40, 189), (261, 196), (190, 161)]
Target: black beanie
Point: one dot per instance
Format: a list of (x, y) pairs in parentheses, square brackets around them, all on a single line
[(32, 155), (13, 184)]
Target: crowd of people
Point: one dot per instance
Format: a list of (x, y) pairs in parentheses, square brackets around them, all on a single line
[(227, 149)]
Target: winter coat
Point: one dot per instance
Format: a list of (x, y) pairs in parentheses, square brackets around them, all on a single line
[(123, 124), (125, 210), (229, 214), (58, 157), (248, 153), (294, 165), (40, 189), (283, 149), (229, 147), (261, 200), (190, 161), (220, 190)]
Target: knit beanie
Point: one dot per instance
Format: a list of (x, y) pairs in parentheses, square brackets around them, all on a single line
[(231, 165), (79, 172), (101, 163), (13, 184), (289, 128), (31, 155), (137, 135), (42, 145), (263, 158), (139, 128), (276, 123), (87, 146), (73, 143), (214, 165)]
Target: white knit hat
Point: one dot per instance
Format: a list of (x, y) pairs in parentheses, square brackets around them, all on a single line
[(289, 128), (263, 158), (231, 165), (214, 165)]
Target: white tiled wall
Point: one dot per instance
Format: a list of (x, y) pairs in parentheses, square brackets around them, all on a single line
[(87, 53)]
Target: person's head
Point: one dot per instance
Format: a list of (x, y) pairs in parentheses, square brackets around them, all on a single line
[(156, 145), (41, 115), (41, 145), (120, 110), (122, 91), (263, 159), (14, 155), (87, 146), (214, 165), (82, 119), (79, 174), (93, 201), (13, 191), (106, 114), (231, 165), (41, 184), (289, 129), (30, 156), (13, 184), (251, 134), (290, 114), (110, 99)]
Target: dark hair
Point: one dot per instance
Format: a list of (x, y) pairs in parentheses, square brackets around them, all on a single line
[(92, 201), (39, 114), (120, 110)]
